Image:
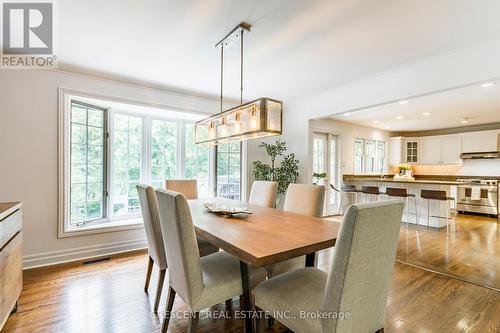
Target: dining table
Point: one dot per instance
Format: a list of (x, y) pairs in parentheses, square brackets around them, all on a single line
[(262, 237)]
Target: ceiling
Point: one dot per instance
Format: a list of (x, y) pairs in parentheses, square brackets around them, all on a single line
[(471, 105), (295, 48)]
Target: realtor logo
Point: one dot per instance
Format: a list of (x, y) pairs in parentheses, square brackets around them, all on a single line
[(27, 34)]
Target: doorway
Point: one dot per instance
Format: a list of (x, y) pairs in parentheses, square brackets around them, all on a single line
[(326, 162)]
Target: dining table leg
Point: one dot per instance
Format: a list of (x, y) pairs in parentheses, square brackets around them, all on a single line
[(247, 297), (310, 259)]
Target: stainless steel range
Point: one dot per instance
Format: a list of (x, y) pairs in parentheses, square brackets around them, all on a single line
[(478, 196)]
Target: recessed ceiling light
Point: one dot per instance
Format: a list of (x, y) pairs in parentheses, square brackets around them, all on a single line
[(376, 121), (487, 84), (347, 114), (388, 127), (464, 120), (403, 102), (400, 117), (426, 114)]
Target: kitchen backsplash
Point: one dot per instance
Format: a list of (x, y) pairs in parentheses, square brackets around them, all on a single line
[(469, 168)]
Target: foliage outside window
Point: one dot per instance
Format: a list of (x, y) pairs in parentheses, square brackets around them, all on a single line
[(197, 161), (105, 162), (163, 152), (87, 160), (127, 139), (229, 170)]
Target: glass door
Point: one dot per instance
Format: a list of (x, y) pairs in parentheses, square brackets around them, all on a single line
[(325, 167)]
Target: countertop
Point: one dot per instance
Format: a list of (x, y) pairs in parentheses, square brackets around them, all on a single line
[(7, 208), (389, 180)]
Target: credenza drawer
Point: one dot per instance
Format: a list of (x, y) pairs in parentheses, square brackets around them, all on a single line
[(11, 276), (10, 226)]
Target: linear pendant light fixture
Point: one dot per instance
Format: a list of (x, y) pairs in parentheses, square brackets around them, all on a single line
[(256, 119)]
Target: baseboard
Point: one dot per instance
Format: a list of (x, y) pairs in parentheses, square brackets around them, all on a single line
[(81, 253)]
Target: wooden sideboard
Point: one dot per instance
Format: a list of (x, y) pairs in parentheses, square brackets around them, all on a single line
[(11, 258)]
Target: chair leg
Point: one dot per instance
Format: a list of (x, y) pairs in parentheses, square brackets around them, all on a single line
[(161, 279), (168, 309), (148, 273), (193, 322), (260, 320)]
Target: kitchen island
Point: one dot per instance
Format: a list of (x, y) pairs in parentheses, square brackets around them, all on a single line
[(416, 206)]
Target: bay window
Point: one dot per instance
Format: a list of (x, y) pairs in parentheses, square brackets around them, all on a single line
[(109, 147)]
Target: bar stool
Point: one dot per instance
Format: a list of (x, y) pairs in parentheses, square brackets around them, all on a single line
[(370, 192), (403, 193), (348, 190), (437, 195)]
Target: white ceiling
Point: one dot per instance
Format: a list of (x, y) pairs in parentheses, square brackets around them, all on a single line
[(296, 48), (478, 105)]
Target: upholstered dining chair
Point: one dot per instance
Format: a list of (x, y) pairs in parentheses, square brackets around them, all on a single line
[(156, 249), (356, 284), (188, 187), (200, 282), (263, 193), (301, 199)]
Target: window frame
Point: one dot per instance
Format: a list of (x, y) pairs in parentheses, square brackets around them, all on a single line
[(126, 222), (365, 157), (216, 178), (105, 180)]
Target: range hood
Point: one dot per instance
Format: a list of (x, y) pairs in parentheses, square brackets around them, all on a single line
[(480, 156), (488, 155)]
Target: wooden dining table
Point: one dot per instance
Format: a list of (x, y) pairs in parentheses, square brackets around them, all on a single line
[(264, 237)]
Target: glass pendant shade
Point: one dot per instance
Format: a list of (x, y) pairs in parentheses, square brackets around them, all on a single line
[(256, 119)]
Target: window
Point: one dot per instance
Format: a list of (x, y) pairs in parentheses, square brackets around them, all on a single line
[(87, 161), (319, 154), (228, 181), (197, 161), (163, 152), (369, 156), (108, 147), (359, 148), (127, 139)]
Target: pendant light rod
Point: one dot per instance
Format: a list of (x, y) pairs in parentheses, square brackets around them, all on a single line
[(241, 67), (221, 76)]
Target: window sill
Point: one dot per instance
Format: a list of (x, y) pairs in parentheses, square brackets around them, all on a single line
[(110, 226)]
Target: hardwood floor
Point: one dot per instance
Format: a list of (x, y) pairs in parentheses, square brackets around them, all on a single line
[(109, 297), (469, 251)]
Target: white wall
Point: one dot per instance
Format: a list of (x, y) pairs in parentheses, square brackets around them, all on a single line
[(28, 159), (347, 133)]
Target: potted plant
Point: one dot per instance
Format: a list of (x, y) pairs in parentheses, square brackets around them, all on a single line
[(284, 174)]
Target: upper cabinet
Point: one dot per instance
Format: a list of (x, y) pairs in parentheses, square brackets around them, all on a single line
[(431, 150), (403, 150), (480, 142), (443, 149)]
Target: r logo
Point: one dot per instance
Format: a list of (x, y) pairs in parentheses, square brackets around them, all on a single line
[(27, 28)]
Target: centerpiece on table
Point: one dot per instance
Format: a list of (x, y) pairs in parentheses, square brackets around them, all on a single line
[(405, 172)]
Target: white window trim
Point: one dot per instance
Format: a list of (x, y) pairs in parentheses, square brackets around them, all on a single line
[(365, 158), (128, 222)]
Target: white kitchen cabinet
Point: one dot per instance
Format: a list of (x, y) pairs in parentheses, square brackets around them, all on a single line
[(430, 150), (451, 148), (480, 142), (444, 149), (395, 151), (412, 151)]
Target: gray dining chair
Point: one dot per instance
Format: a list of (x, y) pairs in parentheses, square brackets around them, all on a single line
[(200, 282), (188, 187), (301, 199), (263, 193), (156, 249), (356, 284)]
